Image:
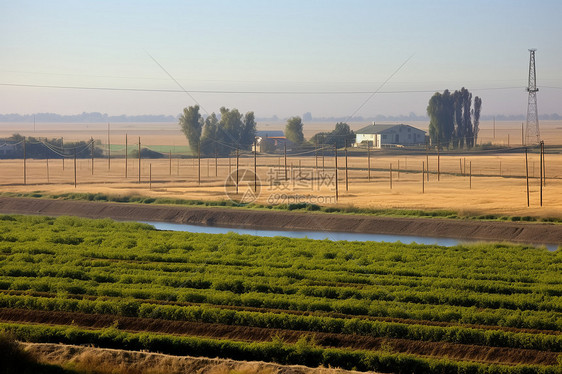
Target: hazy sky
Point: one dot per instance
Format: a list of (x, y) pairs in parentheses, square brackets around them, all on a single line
[(323, 48)]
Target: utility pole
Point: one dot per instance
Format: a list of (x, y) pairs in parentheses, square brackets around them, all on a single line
[(532, 113), (237, 168), (126, 156), (139, 160), (285, 155), (541, 165), (336, 168), (527, 175), (369, 160), (24, 163), (74, 167), (255, 165), (346, 178), (92, 153), (108, 149)]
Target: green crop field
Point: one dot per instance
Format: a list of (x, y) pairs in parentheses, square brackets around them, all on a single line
[(371, 306)]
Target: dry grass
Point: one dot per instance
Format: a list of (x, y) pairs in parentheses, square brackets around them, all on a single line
[(112, 361), (498, 183)]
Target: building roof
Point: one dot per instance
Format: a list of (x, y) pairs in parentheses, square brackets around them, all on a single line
[(377, 129)]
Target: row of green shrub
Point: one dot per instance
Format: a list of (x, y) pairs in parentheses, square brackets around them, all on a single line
[(304, 352), (486, 284), (208, 314)]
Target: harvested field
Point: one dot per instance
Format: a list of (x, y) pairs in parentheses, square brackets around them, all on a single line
[(485, 182)]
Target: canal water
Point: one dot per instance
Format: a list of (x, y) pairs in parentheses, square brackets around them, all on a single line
[(317, 235)]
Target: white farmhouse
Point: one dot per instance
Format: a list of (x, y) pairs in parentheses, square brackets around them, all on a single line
[(380, 136)]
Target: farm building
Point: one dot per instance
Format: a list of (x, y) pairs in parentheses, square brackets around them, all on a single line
[(270, 144), (380, 136)]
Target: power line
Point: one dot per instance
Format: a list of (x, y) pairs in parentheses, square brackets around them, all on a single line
[(240, 92)]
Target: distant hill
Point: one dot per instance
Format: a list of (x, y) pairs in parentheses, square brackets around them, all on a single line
[(85, 117), (94, 117)]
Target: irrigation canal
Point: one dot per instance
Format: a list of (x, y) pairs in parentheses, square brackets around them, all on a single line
[(317, 235)]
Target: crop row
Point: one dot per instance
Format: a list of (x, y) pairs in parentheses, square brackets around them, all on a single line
[(106, 239), (303, 352), (207, 314), (105, 258), (379, 308)]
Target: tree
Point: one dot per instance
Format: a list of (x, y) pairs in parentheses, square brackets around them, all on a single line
[(339, 136), (248, 133), (293, 130), (191, 124), (476, 117), (441, 115), (232, 131), (451, 118), (466, 120)]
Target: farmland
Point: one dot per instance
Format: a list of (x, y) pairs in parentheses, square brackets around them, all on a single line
[(369, 306), (487, 182)]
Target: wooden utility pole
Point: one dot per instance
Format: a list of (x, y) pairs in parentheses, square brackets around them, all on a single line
[(527, 175), (346, 176), (541, 173), (285, 156), (92, 153), (255, 165), (199, 164), (237, 161), (48, 180), (369, 160), (336, 168), (438, 162), (139, 160), (126, 156), (24, 163), (316, 154), (216, 163), (322, 148), (398, 169), (522, 135), (108, 149), (170, 160), (543, 165), (74, 167), (427, 159), (150, 176)]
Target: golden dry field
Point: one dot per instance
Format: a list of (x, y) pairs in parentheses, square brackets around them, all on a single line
[(497, 185)]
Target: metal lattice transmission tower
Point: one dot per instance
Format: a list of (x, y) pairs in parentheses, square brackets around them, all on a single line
[(533, 135)]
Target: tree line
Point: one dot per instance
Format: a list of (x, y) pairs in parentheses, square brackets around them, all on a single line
[(453, 123), (230, 130)]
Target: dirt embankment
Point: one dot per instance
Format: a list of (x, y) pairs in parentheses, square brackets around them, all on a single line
[(246, 218), (106, 360)]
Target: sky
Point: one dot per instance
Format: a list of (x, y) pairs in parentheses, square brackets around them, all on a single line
[(330, 58)]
